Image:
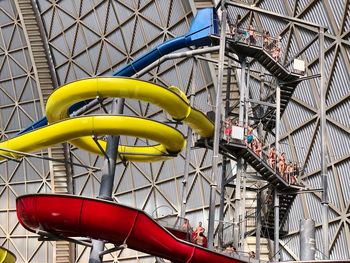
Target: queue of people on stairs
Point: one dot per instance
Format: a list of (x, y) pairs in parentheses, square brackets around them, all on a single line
[(250, 36), (289, 171)]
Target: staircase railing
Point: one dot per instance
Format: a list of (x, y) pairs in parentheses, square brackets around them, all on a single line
[(272, 45)]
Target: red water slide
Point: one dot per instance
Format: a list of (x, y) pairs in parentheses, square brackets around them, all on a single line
[(74, 216)]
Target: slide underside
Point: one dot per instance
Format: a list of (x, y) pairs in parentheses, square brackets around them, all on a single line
[(115, 223)]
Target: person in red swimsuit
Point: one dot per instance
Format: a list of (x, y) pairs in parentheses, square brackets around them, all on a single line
[(228, 130), (196, 234)]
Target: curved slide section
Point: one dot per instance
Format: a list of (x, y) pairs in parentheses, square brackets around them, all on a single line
[(79, 130), (6, 256), (115, 223)]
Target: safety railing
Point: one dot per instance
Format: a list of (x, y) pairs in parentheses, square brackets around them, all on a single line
[(291, 173), (273, 45), (267, 210)]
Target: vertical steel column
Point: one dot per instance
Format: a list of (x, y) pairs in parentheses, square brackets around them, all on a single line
[(307, 239), (278, 119), (217, 127), (224, 162), (244, 168), (222, 202), (258, 224), (246, 96), (261, 98), (262, 79), (108, 172), (242, 93), (186, 172), (237, 203), (243, 220), (276, 226), (325, 201), (188, 147), (276, 197), (240, 161)]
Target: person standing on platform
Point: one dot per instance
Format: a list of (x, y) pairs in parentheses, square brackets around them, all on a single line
[(272, 157), (282, 165)]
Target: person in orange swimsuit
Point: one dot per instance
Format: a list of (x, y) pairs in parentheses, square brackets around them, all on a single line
[(272, 157), (258, 148)]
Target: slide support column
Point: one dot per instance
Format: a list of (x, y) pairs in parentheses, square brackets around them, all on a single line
[(218, 103), (276, 226), (188, 147), (324, 173), (258, 225), (108, 172)]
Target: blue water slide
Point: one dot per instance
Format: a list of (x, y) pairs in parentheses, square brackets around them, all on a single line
[(203, 26)]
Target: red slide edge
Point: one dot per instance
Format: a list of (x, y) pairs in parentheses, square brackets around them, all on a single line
[(74, 216)]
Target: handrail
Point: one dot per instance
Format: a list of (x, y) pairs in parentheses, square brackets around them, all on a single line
[(264, 158), (262, 39)]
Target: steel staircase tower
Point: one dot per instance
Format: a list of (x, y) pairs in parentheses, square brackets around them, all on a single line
[(46, 82), (287, 80)]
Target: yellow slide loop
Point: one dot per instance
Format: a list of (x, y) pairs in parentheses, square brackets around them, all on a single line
[(72, 129), (79, 130), (184, 97), (113, 87), (6, 256), (171, 99)]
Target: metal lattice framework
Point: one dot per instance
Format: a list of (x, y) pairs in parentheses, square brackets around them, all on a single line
[(89, 38), (20, 106), (301, 121)]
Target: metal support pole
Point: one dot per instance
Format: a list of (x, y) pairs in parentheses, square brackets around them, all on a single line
[(246, 97), (307, 239), (217, 128), (188, 147), (222, 203), (242, 93), (108, 172), (240, 161), (262, 85), (242, 227), (276, 225), (278, 119), (237, 202), (325, 201), (224, 164), (258, 224)]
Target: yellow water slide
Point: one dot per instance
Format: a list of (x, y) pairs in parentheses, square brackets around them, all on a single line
[(6, 256), (79, 130)]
